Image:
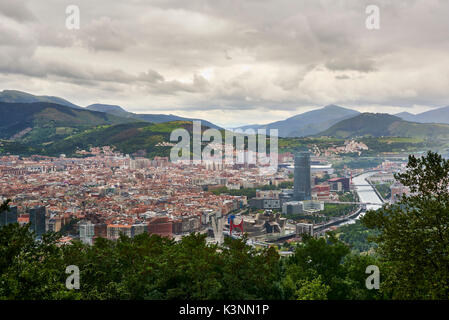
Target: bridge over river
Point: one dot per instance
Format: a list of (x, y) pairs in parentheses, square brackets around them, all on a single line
[(368, 197)]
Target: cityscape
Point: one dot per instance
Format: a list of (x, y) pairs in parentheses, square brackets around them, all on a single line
[(109, 193), (218, 159)]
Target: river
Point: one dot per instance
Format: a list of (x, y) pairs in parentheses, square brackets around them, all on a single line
[(366, 193)]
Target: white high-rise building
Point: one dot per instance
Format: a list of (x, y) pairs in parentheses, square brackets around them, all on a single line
[(87, 232)]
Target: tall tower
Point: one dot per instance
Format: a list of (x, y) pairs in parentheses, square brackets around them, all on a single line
[(302, 189), (217, 227), (37, 220)]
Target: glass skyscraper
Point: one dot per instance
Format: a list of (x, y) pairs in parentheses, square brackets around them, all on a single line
[(37, 220), (7, 217), (302, 189)]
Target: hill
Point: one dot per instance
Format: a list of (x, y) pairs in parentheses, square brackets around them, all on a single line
[(14, 96), (381, 124), (407, 116), (308, 123), (42, 121), (128, 138), (440, 115), (111, 109), (51, 129), (154, 118)]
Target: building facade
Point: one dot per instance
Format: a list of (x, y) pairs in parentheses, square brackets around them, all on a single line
[(37, 220), (302, 187), (7, 217)]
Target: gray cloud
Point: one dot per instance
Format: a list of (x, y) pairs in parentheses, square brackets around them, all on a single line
[(17, 10), (228, 54), (348, 63), (105, 34)]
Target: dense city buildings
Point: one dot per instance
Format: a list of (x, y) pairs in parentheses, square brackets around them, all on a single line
[(339, 184), (107, 194)]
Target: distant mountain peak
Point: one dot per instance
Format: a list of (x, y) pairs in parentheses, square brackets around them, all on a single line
[(308, 123), (333, 106), (404, 113)]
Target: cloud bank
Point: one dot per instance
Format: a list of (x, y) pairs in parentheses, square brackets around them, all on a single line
[(229, 61)]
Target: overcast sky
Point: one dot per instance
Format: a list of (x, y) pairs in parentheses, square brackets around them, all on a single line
[(229, 61)]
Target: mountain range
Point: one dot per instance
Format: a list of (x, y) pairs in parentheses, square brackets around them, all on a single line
[(52, 129), (301, 125), (317, 121), (440, 115), (51, 125), (34, 121), (14, 96), (155, 118), (308, 123)]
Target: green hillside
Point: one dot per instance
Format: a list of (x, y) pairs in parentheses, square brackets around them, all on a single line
[(154, 118), (127, 138), (44, 122), (385, 125), (51, 129)]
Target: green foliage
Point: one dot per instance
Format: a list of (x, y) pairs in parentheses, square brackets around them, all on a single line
[(383, 189), (325, 269), (144, 267), (300, 144), (313, 289), (251, 192), (31, 269), (414, 235), (43, 118), (394, 144), (337, 210), (358, 163), (357, 236), (152, 267), (248, 192)]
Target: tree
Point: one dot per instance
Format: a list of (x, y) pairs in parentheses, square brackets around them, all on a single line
[(414, 233), (29, 269), (5, 205), (318, 257), (313, 289)]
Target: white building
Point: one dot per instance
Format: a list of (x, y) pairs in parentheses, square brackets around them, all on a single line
[(87, 232), (304, 228)]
